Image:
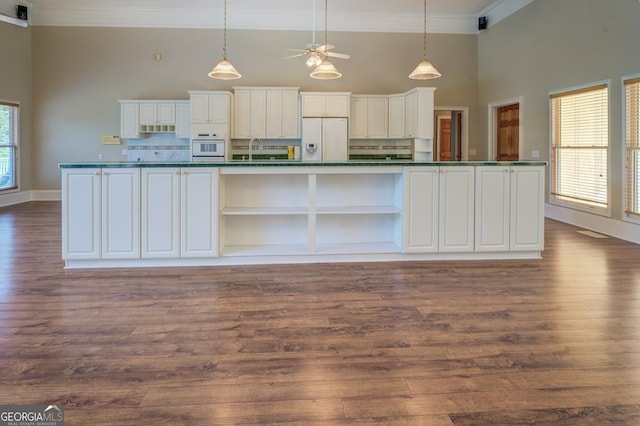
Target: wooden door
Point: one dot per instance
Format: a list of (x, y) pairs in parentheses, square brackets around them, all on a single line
[(444, 136), (508, 132)]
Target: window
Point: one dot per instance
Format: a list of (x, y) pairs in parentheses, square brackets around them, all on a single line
[(9, 122), (632, 136), (580, 148)]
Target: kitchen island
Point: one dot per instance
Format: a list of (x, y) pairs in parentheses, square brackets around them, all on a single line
[(231, 213)]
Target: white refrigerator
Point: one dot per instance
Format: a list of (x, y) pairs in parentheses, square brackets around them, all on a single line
[(325, 139)]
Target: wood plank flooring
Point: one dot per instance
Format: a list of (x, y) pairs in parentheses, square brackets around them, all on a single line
[(547, 342)]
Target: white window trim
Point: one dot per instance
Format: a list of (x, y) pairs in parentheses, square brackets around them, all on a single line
[(17, 165), (606, 212), (625, 217)]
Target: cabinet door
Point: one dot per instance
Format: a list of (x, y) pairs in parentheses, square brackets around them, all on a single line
[(120, 213), (199, 212), (148, 113), (456, 200), (160, 213), (219, 105), (274, 114), (199, 108), (377, 117), (258, 113), (358, 118), (421, 209), (411, 117), (182, 121), (492, 209), (396, 117), (166, 113), (290, 115), (424, 113), (527, 208), (80, 214), (242, 114), (336, 106), (313, 106), (129, 120)]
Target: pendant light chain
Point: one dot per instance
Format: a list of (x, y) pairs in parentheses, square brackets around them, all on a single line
[(325, 29), (424, 52), (224, 47)]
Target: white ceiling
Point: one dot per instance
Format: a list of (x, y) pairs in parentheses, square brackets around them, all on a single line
[(444, 16)]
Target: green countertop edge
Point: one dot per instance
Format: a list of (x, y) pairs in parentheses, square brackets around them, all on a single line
[(129, 164)]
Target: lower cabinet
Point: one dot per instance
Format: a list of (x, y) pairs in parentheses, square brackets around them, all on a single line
[(81, 214), (439, 209), (120, 196), (179, 207), (509, 208)]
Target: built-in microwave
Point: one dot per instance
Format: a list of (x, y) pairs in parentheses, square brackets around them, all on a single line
[(207, 149)]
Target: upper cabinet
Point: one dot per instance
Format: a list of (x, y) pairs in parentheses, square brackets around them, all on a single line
[(157, 113), (210, 107), (369, 117), (325, 104), (419, 113), (397, 121), (146, 116), (183, 112), (266, 112)]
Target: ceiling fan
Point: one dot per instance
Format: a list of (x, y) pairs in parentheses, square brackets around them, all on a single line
[(315, 51)]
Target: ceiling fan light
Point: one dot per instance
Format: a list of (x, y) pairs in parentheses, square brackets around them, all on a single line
[(314, 60), (425, 71), (325, 71), (224, 71)]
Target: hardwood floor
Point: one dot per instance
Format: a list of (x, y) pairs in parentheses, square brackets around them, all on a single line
[(547, 342)]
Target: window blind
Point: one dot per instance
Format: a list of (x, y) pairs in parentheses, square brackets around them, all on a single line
[(632, 132), (580, 146)]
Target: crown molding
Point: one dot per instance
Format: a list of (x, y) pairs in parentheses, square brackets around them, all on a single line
[(266, 19)]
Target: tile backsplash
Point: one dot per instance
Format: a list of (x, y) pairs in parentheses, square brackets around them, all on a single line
[(158, 147)]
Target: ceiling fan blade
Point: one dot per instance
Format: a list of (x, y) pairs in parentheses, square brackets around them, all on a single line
[(297, 50), (325, 47), (294, 56), (338, 55)]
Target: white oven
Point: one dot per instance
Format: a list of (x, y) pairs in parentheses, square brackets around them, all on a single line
[(207, 147)]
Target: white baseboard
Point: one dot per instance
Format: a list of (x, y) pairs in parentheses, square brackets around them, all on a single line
[(26, 196), (604, 225)]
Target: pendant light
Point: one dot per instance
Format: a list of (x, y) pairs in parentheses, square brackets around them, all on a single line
[(424, 70), (224, 70), (326, 70)]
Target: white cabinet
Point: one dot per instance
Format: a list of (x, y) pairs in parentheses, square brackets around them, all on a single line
[(369, 117), (120, 224), (129, 120), (160, 213), (456, 213), (509, 208), (527, 208), (266, 112), (282, 119), (183, 113), (157, 113), (81, 213), (419, 113), (325, 104), (210, 106), (179, 213), (421, 188), (397, 119), (199, 212)]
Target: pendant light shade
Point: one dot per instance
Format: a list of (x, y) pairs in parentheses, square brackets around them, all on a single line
[(424, 70), (326, 70), (224, 70)]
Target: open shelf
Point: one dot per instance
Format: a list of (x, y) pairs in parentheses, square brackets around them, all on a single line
[(263, 211), (266, 250), (358, 210), (357, 248)]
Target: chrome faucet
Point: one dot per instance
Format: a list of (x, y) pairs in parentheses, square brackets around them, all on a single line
[(251, 146)]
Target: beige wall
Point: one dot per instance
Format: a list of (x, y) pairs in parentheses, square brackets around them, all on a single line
[(80, 73), (551, 45), (15, 86)]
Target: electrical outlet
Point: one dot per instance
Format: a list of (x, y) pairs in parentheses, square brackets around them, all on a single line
[(100, 156), (535, 154)]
